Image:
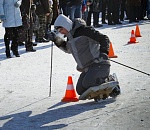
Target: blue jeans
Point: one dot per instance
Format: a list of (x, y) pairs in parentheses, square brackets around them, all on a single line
[(75, 12), (65, 10), (85, 15)]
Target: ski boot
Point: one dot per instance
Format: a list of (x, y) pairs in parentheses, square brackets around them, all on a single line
[(116, 91)]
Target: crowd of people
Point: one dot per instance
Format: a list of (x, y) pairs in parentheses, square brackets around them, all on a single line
[(114, 11), (43, 14)]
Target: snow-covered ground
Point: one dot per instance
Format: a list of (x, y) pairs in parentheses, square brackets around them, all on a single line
[(25, 85)]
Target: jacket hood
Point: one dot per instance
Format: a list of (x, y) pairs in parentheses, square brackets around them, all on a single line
[(64, 22), (77, 22)]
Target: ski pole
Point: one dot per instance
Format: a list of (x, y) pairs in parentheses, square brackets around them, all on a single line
[(51, 69), (130, 67)]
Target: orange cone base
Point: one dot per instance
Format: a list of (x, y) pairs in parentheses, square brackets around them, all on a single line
[(75, 99), (138, 35), (113, 56), (132, 42)]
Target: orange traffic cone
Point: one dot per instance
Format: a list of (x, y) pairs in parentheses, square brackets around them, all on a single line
[(133, 38), (111, 52), (137, 31), (70, 95)]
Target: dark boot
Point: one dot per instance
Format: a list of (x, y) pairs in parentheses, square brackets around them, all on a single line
[(21, 44), (8, 53), (116, 91), (29, 47), (15, 50)]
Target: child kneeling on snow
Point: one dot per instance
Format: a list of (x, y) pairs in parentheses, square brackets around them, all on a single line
[(89, 48)]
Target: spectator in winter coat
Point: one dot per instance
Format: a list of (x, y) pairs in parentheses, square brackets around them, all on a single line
[(133, 9), (104, 8), (143, 10), (89, 48), (63, 5), (42, 10), (11, 17), (26, 12), (116, 11), (113, 12), (56, 10), (94, 9), (49, 20), (75, 9), (85, 8)]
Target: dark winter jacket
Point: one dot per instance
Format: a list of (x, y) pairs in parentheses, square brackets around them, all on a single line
[(133, 2), (25, 6), (63, 2), (85, 43), (75, 2), (42, 6), (96, 6)]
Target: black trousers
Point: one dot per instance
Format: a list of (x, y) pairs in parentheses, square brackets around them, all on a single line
[(104, 5), (122, 9), (95, 18), (96, 75), (11, 33), (134, 11)]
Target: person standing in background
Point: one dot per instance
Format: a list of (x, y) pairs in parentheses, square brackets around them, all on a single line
[(27, 12), (110, 12), (123, 10), (75, 9), (104, 8), (85, 8), (42, 11), (55, 9), (116, 11), (95, 9), (10, 15), (49, 20), (63, 5), (133, 8), (143, 9)]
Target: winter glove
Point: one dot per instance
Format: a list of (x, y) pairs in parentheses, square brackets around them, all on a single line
[(103, 56), (52, 36), (79, 69), (104, 50), (59, 42), (17, 4), (33, 7), (2, 17)]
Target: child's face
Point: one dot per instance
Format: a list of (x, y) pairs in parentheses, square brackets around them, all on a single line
[(63, 31)]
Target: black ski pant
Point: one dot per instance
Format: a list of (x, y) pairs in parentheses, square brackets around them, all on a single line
[(95, 75)]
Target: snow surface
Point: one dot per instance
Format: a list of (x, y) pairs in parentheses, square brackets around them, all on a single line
[(25, 85)]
